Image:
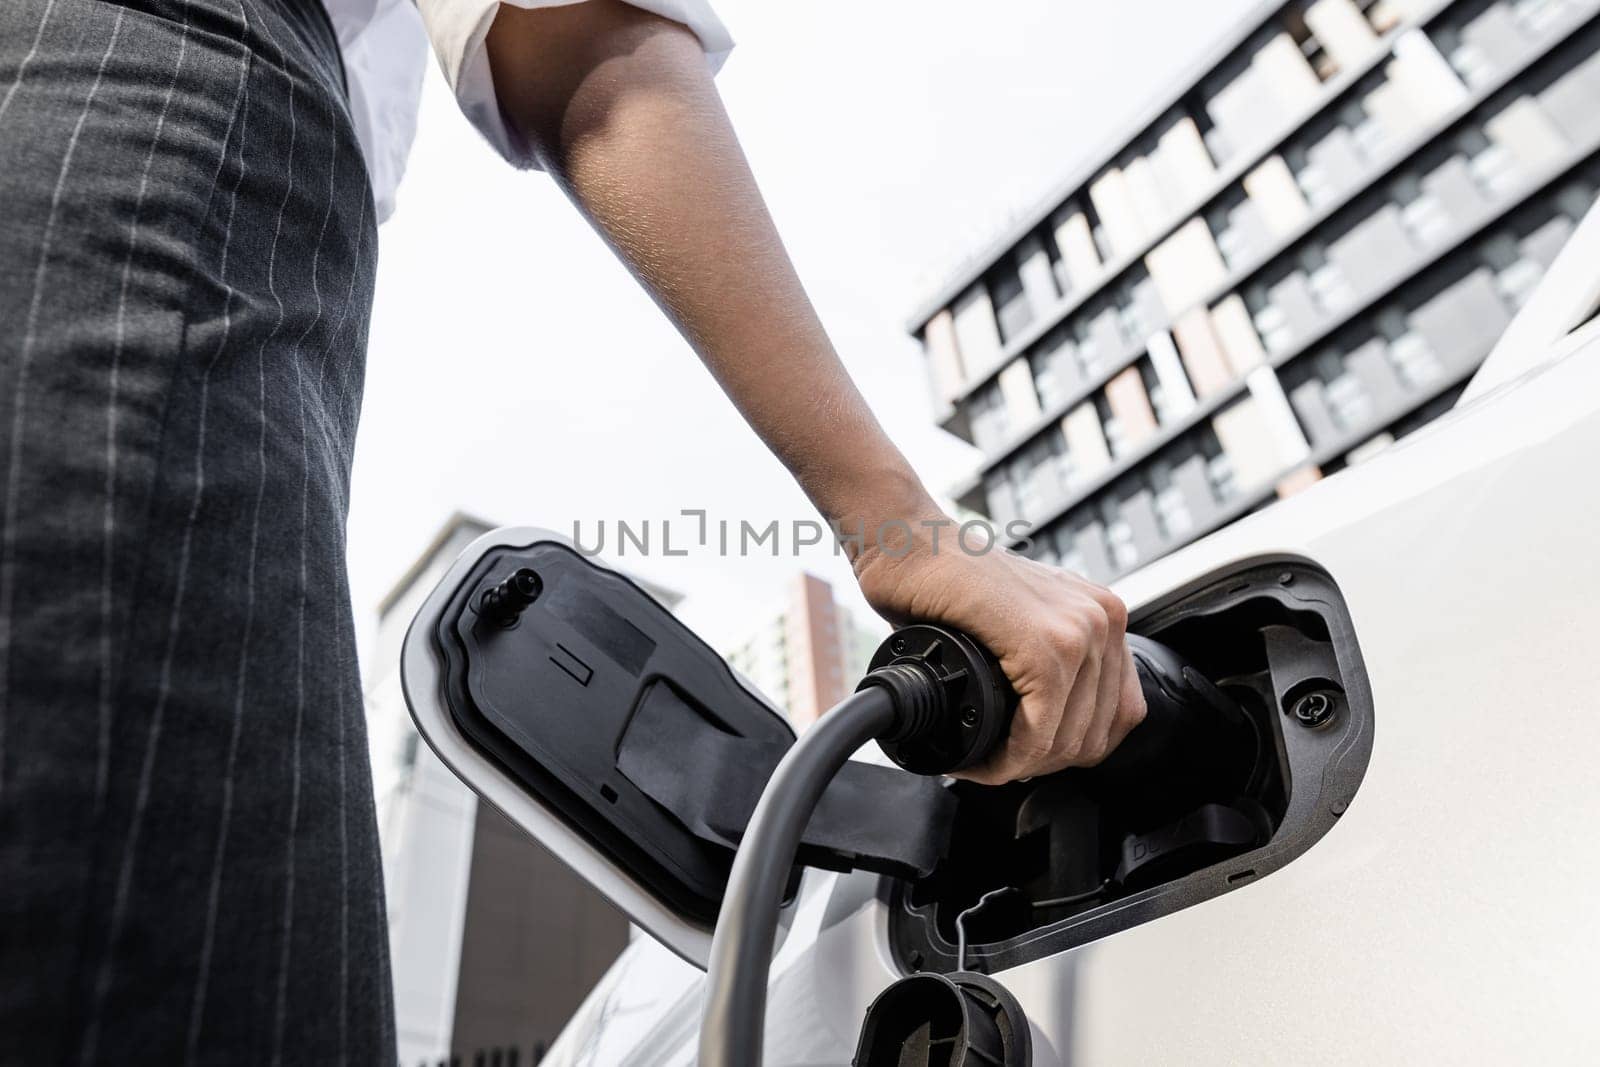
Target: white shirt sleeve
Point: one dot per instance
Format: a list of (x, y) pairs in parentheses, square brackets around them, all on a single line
[(385, 56), (458, 29)]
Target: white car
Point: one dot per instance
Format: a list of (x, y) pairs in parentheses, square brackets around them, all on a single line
[(1408, 873)]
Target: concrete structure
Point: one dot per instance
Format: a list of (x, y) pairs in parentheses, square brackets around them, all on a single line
[(494, 942), (809, 653), (1297, 253)]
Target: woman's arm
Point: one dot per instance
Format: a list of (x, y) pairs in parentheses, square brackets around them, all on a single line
[(619, 106)]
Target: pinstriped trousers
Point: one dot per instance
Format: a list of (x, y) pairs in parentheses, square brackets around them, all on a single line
[(189, 869)]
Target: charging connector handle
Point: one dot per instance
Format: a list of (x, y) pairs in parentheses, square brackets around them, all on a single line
[(924, 683), (954, 700)]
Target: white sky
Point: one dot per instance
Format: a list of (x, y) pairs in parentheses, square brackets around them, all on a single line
[(516, 372)]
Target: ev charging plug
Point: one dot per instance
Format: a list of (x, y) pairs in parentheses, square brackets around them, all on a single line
[(937, 702)]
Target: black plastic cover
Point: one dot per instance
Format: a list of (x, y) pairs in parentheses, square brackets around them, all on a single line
[(936, 1020), (872, 818), (622, 722)]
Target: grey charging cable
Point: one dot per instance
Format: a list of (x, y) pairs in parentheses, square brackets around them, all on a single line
[(741, 949)]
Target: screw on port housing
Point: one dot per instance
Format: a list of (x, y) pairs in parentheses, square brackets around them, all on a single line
[(503, 604), (1313, 709)]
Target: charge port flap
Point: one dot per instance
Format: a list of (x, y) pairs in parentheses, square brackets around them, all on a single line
[(875, 818)]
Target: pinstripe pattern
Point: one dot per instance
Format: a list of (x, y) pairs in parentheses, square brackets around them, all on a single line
[(344, 886), (281, 1018), (27, 60), (19, 395), (186, 819), (208, 942), (346, 652), (108, 555), (322, 368), (280, 986)]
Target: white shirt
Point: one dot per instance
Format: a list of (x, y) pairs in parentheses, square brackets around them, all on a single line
[(385, 44)]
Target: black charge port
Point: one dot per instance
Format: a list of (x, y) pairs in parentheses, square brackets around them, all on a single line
[(939, 1020)]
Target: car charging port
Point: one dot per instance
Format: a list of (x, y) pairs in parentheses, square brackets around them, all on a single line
[(1275, 738), (937, 1020)]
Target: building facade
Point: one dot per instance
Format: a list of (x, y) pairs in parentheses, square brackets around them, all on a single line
[(494, 942), (1296, 255), (809, 654)]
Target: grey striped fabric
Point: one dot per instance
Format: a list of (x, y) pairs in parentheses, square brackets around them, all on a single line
[(189, 870)]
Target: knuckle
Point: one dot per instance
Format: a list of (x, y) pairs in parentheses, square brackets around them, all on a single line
[(1070, 642), (1132, 712), (1097, 621), (1116, 611)]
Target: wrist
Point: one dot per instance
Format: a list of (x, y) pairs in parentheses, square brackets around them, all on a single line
[(878, 509)]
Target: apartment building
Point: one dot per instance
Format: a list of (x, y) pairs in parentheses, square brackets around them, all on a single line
[(809, 653), (1297, 254)]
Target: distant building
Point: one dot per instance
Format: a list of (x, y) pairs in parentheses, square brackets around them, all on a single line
[(809, 653), (1297, 252), (494, 942)]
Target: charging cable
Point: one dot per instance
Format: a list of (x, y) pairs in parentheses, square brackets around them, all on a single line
[(741, 948)]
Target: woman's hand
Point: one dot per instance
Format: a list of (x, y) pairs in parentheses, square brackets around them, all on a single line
[(1061, 641)]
